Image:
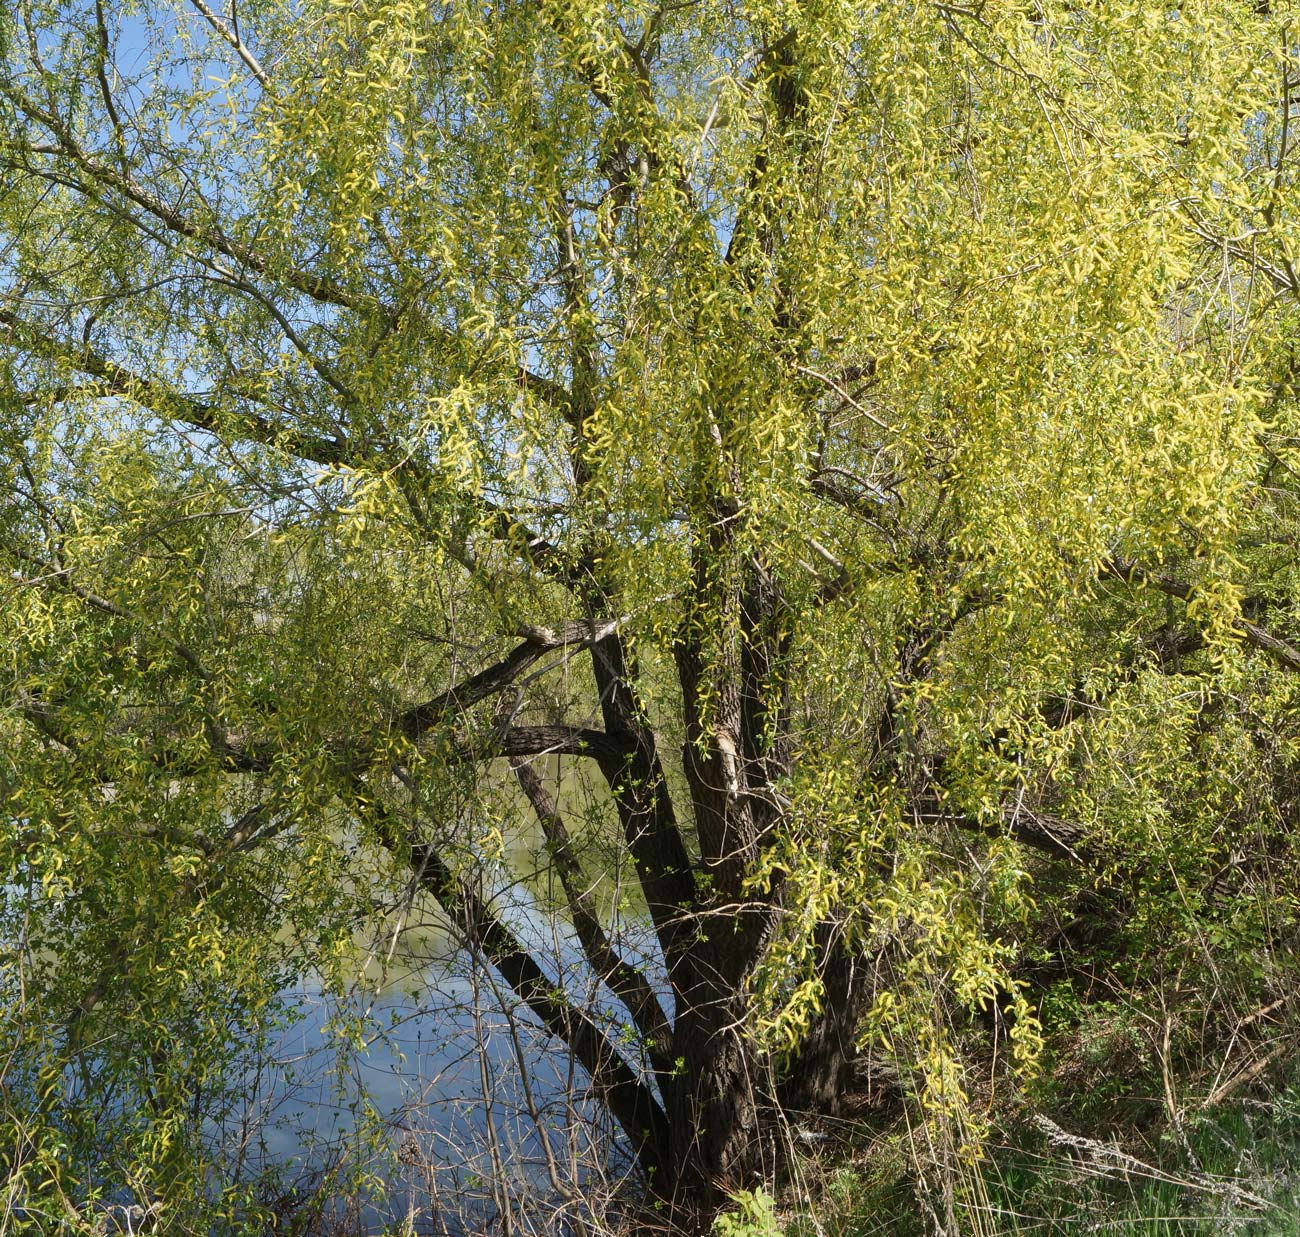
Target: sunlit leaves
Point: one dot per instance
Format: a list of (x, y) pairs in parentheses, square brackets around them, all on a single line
[(322, 381)]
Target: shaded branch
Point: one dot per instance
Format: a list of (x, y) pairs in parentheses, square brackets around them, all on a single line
[(639, 787), (1041, 831), (629, 1099), (624, 980), (1283, 653), (538, 642)]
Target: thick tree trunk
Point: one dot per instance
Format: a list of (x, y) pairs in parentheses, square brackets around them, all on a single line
[(714, 1120), (735, 750), (714, 1140), (722, 1121), (819, 1077)]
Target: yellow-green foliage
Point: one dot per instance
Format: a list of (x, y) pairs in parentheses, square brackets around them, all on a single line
[(315, 326)]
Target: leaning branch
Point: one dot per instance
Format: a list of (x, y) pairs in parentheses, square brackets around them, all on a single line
[(628, 1098), (241, 48), (639, 787), (321, 290), (624, 980), (537, 643), (113, 379), (1283, 653), (240, 753)]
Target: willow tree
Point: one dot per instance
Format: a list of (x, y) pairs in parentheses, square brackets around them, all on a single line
[(772, 408)]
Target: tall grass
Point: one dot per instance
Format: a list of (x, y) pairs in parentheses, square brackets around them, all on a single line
[(1232, 1169)]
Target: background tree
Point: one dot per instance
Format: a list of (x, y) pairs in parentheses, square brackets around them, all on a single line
[(833, 425)]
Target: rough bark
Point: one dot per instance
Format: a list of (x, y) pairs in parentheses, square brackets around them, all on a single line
[(820, 1076)]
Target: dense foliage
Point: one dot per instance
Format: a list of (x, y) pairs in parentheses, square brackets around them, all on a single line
[(858, 441)]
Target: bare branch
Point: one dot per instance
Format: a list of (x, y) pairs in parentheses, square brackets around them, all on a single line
[(241, 48), (847, 398), (624, 980)]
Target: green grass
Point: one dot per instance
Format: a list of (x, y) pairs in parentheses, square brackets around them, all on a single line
[(1234, 1169)]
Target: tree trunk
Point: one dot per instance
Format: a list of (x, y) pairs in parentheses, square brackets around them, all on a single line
[(819, 1077), (722, 1118), (714, 1118)]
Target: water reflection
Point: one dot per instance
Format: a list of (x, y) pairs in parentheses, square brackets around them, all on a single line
[(476, 1119)]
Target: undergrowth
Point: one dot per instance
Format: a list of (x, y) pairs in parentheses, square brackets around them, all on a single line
[(1233, 1168)]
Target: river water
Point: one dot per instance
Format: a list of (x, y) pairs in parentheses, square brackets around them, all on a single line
[(422, 1097), (433, 1077)]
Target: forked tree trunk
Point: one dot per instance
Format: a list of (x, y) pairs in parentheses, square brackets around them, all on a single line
[(725, 1124)]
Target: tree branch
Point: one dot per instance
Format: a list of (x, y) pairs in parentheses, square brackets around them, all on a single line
[(1041, 831), (538, 642), (160, 399), (640, 790), (241, 48), (624, 980), (322, 290), (118, 380), (628, 1098), (1284, 654)]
